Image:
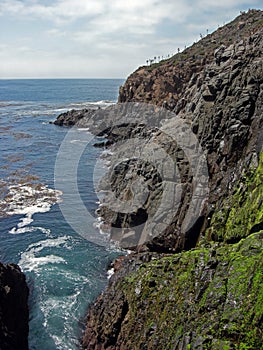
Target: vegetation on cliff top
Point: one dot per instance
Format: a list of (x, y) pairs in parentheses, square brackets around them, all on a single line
[(211, 296)]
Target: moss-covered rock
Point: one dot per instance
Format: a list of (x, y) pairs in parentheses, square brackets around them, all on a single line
[(206, 298), (211, 296), (242, 213)]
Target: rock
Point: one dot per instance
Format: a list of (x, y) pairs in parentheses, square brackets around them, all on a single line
[(71, 117), (200, 285), (13, 308), (224, 106), (206, 298), (219, 54)]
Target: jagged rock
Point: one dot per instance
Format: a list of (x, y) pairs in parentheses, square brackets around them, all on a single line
[(13, 308), (71, 117), (208, 295), (206, 298), (223, 105)]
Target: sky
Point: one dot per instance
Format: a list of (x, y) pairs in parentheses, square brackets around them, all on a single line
[(102, 38)]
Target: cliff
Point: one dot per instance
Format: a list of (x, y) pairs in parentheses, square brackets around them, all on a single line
[(13, 308), (166, 83), (199, 288), (210, 297), (194, 280)]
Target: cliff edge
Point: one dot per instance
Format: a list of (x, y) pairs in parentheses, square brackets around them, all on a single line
[(199, 288)]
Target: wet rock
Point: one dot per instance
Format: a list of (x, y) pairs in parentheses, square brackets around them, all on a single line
[(71, 117)]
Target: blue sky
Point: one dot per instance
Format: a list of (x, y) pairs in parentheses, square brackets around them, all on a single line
[(101, 38)]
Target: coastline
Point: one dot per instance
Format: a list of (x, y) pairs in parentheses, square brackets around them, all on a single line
[(189, 292)]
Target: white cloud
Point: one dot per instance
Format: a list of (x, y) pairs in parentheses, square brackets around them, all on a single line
[(77, 36), (60, 10), (137, 12)]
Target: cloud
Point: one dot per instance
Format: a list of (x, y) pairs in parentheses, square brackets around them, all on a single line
[(137, 12), (58, 11), (77, 36)]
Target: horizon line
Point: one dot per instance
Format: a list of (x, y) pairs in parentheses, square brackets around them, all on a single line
[(57, 78)]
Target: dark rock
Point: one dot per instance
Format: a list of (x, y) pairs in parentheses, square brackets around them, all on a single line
[(208, 293), (71, 117), (223, 104), (206, 297), (13, 308)]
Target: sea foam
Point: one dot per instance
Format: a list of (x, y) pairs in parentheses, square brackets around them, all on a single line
[(27, 200)]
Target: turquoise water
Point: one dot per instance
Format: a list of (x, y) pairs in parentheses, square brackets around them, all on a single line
[(65, 271)]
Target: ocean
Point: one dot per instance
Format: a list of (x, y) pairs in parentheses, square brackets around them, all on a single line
[(65, 270)]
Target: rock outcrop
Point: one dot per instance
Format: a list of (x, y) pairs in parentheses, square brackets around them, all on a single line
[(13, 308), (71, 117), (166, 83), (197, 289), (219, 101), (194, 280), (209, 297)]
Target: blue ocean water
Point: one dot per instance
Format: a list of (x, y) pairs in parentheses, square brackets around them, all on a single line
[(64, 271)]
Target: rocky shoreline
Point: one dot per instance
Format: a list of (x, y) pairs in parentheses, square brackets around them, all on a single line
[(194, 278), (195, 286)]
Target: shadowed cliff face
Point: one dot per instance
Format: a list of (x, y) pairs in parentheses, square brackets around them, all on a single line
[(209, 295), (13, 308)]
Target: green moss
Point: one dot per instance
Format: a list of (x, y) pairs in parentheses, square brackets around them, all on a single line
[(239, 215), (211, 297)]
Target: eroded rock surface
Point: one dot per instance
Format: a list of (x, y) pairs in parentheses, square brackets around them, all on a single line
[(209, 294)]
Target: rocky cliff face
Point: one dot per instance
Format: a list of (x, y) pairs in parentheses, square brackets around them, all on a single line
[(209, 297), (199, 288), (167, 83), (219, 100), (13, 308)]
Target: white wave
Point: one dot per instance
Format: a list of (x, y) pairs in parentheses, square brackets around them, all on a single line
[(102, 227), (35, 263), (87, 104), (28, 200), (106, 153), (104, 102), (110, 273), (83, 129), (77, 141), (54, 308), (30, 229), (29, 260)]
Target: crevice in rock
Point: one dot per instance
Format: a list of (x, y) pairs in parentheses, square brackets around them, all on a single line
[(113, 338), (256, 228)]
